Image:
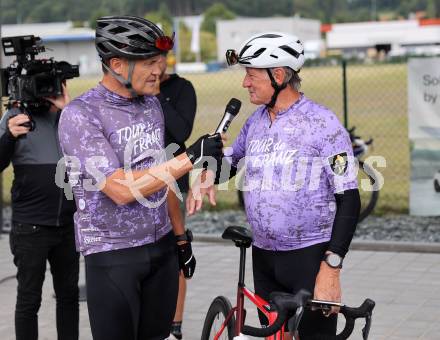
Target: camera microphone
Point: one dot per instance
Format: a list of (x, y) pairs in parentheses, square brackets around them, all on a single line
[(230, 112)]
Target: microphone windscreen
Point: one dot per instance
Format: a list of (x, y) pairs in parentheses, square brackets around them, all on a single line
[(233, 106)]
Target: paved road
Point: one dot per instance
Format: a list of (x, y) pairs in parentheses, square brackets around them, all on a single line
[(405, 286)]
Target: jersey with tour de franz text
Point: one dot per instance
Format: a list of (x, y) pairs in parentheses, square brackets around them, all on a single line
[(101, 132), (293, 167)]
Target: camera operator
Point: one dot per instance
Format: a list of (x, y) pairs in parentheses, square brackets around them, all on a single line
[(42, 217)]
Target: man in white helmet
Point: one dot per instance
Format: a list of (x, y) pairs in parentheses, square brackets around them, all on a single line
[(300, 193)]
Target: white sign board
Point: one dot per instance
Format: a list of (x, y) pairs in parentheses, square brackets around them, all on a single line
[(424, 135), (424, 97)]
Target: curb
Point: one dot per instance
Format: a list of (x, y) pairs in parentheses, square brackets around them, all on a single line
[(387, 246)]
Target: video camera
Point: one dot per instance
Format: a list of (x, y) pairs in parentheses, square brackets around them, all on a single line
[(29, 81)]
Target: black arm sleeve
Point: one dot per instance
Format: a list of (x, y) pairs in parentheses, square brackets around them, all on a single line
[(348, 206), (179, 119), (7, 145), (225, 171)]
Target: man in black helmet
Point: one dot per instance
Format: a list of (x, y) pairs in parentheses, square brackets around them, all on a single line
[(128, 224)]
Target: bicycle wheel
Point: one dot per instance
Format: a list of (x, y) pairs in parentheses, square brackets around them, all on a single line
[(215, 317), (240, 199), (436, 185), (368, 189)]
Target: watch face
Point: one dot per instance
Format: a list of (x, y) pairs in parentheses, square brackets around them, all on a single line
[(334, 260)]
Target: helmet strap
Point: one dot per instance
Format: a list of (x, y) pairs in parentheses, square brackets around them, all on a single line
[(277, 89), (125, 82)]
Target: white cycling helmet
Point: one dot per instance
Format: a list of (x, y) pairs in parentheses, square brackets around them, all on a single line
[(270, 49)]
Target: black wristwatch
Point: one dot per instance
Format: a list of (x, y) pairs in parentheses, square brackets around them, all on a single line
[(187, 236), (333, 260)]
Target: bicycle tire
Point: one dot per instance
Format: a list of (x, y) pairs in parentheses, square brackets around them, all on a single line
[(369, 204), (240, 198), (219, 307), (436, 185)]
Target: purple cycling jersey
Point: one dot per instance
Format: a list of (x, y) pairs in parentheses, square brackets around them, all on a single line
[(293, 167), (102, 131)]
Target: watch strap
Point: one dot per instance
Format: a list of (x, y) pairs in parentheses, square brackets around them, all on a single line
[(187, 236)]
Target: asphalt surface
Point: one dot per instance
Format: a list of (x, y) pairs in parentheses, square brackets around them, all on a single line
[(405, 286)]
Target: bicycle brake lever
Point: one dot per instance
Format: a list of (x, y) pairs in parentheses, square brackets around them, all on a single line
[(294, 321), (366, 329)]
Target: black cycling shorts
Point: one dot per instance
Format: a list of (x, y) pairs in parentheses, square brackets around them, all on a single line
[(291, 271), (132, 293)]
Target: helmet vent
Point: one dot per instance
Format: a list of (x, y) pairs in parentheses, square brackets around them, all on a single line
[(290, 51), (259, 52), (104, 49), (136, 25), (118, 30), (274, 56), (136, 40), (269, 36), (244, 49)]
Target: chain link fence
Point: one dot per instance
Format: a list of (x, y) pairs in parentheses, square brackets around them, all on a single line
[(376, 100)]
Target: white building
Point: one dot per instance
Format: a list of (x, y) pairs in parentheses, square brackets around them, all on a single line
[(232, 33), (62, 42), (393, 37)]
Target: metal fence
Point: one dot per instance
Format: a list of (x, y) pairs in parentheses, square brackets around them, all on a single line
[(375, 100)]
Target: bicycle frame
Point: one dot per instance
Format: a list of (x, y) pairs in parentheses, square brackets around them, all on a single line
[(278, 310), (240, 312)]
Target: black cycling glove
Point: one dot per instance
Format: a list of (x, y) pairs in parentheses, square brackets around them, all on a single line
[(205, 146), (187, 261)]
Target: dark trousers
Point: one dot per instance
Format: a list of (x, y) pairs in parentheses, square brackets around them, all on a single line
[(32, 246), (290, 271), (132, 292)]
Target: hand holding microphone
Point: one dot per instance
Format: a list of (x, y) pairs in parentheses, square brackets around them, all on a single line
[(212, 145), (194, 201), (205, 146)]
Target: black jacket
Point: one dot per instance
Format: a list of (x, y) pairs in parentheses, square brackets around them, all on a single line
[(179, 104), (36, 199)]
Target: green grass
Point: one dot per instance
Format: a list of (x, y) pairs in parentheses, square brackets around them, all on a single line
[(377, 105)]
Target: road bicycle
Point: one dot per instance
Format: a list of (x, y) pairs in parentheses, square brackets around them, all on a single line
[(225, 322), (369, 192), (437, 181), (367, 177)]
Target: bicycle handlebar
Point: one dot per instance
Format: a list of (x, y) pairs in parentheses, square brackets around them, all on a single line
[(351, 314), (285, 304)]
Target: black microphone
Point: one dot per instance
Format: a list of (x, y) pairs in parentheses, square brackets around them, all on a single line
[(230, 112)]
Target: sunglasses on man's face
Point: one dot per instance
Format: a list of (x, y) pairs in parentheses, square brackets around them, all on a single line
[(232, 57), (165, 43)]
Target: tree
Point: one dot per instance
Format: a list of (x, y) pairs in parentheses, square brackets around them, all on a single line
[(433, 8), (261, 8), (96, 15), (215, 12), (162, 17), (208, 46)]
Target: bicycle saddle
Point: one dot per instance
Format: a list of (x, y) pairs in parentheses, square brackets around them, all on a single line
[(241, 236)]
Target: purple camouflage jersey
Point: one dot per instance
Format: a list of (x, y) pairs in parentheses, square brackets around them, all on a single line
[(96, 129), (294, 165)]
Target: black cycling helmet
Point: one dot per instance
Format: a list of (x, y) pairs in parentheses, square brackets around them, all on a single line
[(130, 37)]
